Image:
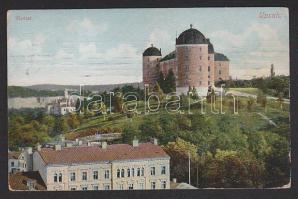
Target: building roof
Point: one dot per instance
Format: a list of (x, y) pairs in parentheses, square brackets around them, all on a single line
[(191, 36), (220, 57), (87, 154), (169, 56), (152, 51), (14, 154), (210, 47), (18, 181)]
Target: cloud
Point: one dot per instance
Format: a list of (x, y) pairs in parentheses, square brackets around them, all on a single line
[(161, 38), (86, 27), (253, 51)]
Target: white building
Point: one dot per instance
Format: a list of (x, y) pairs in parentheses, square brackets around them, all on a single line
[(105, 167), (20, 161), (62, 106)]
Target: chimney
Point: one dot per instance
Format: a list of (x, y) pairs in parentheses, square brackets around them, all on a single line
[(104, 145), (135, 142), (57, 147), (38, 147), (62, 138), (175, 180), (28, 150), (154, 141)]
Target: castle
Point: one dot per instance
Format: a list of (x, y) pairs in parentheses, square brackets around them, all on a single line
[(194, 63)]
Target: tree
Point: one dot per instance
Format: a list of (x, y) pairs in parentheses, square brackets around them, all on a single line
[(170, 82), (179, 151), (159, 91), (118, 104), (161, 80), (232, 170)]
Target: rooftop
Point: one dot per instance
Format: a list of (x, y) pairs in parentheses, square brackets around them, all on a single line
[(18, 181), (169, 56), (191, 36), (220, 57), (87, 154), (13, 154)]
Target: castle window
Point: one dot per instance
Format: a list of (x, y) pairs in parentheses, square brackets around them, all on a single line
[(107, 174), (163, 184), (208, 82), (60, 177), (72, 176), (122, 173), (138, 172), (208, 57), (118, 173), (208, 68), (95, 175), (219, 72), (200, 68), (84, 176), (55, 177)]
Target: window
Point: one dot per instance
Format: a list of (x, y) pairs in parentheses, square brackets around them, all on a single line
[(152, 171), (163, 170), (208, 68), (163, 184), (84, 175), (118, 173), (55, 177), (208, 57), (25, 165), (95, 187), (60, 177), (107, 174), (208, 82), (107, 187), (130, 186), (95, 175), (12, 164), (73, 189), (153, 185), (141, 185), (120, 186), (132, 172), (122, 173), (200, 68), (142, 172), (208, 76), (72, 176), (84, 188), (128, 172), (219, 72), (138, 172)]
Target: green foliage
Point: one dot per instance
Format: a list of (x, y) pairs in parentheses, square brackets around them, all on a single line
[(168, 83), (18, 91)]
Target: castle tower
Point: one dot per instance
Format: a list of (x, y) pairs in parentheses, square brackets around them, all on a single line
[(151, 57), (210, 64), (192, 61)]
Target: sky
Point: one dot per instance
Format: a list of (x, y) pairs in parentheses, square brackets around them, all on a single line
[(105, 46)]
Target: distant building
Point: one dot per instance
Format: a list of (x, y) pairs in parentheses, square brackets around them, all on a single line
[(26, 181), (105, 167), (20, 161), (62, 106), (194, 63)]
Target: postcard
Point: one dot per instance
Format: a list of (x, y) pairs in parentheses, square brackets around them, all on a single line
[(145, 99)]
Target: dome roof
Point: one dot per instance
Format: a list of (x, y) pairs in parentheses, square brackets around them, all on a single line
[(220, 57), (191, 36), (152, 51), (210, 47)]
